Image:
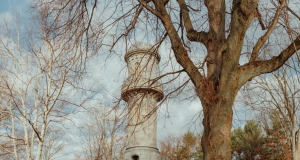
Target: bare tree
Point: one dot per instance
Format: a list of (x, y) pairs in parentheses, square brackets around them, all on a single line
[(103, 133), (38, 86), (220, 45), (54, 143), (279, 93)]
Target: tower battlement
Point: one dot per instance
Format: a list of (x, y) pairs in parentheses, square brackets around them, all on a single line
[(142, 48), (142, 62)]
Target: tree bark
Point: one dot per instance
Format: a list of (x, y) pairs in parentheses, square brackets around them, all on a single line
[(217, 122), (13, 133), (42, 137), (296, 150)]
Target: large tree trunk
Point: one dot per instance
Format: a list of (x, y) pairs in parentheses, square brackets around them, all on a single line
[(217, 122)]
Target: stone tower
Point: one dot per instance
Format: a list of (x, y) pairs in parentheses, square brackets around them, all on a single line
[(142, 92)]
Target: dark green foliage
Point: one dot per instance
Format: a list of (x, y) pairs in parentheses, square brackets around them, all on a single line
[(248, 140), (252, 141)]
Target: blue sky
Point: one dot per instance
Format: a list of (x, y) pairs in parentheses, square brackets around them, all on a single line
[(6, 5), (10, 9), (12, 5)]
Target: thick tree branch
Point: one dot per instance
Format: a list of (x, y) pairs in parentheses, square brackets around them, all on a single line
[(216, 16), (192, 34), (178, 48), (241, 17), (152, 10), (201, 37), (165, 2), (263, 38), (255, 68)]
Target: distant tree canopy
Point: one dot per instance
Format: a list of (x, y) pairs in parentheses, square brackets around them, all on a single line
[(248, 140), (251, 141), (184, 147)]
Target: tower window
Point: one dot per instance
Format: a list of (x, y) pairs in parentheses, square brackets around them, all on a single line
[(135, 157)]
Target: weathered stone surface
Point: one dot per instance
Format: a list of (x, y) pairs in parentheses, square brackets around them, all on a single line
[(142, 92)]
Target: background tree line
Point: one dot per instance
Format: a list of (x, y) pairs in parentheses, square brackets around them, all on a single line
[(254, 140)]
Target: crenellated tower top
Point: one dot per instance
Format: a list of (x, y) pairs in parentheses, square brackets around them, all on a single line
[(142, 63)]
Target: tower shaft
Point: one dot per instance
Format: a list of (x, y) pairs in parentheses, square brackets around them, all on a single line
[(142, 92)]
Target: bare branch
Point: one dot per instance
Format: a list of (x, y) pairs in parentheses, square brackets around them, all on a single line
[(263, 38), (294, 13), (263, 27), (35, 130), (152, 10), (255, 68), (133, 22)]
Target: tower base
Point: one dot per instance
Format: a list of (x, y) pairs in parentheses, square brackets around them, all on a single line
[(141, 153)]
